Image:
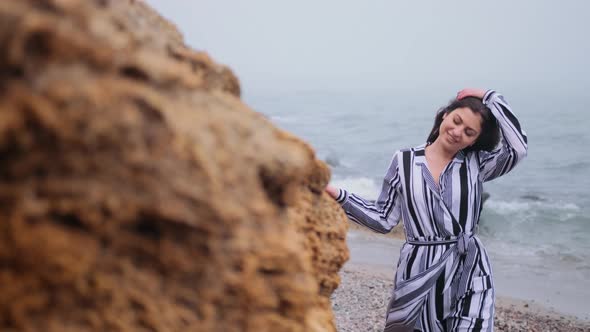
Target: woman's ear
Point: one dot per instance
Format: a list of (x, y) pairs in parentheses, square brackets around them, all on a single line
[(444, 116)]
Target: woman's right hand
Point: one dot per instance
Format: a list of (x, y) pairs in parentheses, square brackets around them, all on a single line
[(332, 191), (471, 92)]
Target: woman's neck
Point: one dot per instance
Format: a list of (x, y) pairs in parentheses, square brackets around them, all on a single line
[(438, 150)]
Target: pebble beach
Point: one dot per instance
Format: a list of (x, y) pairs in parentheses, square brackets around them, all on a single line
[(360, 301)]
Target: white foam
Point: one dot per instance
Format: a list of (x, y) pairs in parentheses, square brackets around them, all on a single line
[(361, 186), (503, 207), (282, 119)]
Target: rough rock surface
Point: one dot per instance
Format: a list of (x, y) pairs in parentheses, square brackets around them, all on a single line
[(137, 191)]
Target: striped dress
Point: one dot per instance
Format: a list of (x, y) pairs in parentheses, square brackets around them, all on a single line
[(443, 280)]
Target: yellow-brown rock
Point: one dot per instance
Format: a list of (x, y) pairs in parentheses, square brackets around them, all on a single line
[(138, 192)]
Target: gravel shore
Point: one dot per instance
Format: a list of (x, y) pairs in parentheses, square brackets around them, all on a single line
[(359, 305)]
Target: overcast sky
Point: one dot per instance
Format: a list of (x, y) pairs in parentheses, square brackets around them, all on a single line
[(384, 43)]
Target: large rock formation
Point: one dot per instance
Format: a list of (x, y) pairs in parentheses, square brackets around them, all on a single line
[(138, 193)]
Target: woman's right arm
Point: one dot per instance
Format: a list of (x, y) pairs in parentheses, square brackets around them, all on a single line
[(513, 140), (380, 215)]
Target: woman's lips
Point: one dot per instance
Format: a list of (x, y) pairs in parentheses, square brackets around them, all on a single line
[(450, 139)]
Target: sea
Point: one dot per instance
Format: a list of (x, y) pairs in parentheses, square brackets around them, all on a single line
[(536, 223)]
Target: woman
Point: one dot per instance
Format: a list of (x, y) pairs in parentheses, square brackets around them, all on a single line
[(443, 280)]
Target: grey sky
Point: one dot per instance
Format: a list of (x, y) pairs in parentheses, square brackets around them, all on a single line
[(379, 43)]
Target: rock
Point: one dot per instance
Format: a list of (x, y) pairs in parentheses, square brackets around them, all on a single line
[(138, 192), (484, 197)]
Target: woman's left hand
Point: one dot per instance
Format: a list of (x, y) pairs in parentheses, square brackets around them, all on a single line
[(479, 93), (332, 191)]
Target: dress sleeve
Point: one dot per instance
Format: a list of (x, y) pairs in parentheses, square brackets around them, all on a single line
[(513, 140), (380, 215)]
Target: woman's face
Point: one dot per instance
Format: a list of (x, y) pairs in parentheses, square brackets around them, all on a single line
[(459, 129)]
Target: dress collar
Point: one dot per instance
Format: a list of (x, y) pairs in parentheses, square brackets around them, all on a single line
[(420, 157)]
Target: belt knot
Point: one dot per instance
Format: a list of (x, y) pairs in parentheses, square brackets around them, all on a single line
[(463, 242)]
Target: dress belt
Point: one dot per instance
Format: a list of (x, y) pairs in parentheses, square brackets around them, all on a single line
[(409, 295), (462, 241)]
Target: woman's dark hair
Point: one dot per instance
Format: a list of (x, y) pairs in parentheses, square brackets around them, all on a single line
[(490, 132)]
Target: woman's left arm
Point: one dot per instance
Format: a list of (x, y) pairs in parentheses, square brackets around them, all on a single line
[(513, 140)]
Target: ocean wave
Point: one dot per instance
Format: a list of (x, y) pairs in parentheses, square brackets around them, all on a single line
[(571, 166), (282, 119), (561, 253), (533, 231), (362, 186), (533, 197), (365, 186), (503, 207), (332, 159)]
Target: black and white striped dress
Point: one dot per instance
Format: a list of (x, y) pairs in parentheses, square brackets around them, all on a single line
[(444, 278)]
